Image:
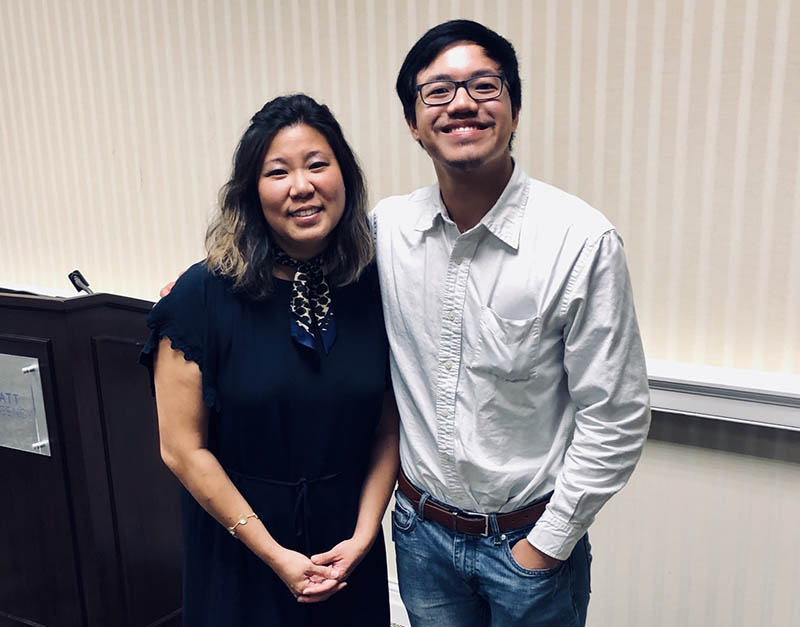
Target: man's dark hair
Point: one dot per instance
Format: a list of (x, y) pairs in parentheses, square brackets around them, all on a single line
[(238, 240), (428, 47)]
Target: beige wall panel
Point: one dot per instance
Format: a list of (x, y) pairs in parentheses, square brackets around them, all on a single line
[(698, 538)]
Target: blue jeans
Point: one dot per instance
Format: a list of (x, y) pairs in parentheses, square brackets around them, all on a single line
[(449, 579)]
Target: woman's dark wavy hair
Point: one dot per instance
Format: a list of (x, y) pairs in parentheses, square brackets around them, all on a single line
[(238, 241), (428, 47)]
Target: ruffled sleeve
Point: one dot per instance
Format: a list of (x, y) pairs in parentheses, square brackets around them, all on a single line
[(184, 317)]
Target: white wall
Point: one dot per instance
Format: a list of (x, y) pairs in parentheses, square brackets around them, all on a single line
[(705, 534)]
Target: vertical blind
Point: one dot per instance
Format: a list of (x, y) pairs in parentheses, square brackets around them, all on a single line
[(677, 118)]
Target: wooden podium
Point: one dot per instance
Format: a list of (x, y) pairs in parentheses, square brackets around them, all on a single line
[(89, 535)]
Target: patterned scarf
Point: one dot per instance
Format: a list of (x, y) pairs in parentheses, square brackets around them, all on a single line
[(311, 296)]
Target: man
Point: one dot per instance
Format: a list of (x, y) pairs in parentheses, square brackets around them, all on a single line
[(516, 358)]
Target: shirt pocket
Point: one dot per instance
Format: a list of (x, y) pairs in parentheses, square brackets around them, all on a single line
[(507, 348)]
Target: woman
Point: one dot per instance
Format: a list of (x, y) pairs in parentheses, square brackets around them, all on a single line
[(274, 404)]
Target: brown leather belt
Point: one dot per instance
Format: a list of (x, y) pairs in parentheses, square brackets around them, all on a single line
[(472, 524)]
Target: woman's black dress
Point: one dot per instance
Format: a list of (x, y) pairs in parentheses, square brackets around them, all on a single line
[(294, 429)]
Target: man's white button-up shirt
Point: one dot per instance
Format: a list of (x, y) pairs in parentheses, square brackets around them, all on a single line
[(516, 357)]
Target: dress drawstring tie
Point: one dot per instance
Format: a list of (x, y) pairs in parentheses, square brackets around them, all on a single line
[(302, 504)]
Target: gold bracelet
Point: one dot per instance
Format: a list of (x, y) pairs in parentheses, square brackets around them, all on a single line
[(242, 521)]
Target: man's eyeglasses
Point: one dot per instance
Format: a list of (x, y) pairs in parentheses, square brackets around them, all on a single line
[(479, 88)]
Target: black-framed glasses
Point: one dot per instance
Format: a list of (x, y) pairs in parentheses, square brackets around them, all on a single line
[(479, 88)]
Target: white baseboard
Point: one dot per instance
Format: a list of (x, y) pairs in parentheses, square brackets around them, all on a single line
[(398, 610)]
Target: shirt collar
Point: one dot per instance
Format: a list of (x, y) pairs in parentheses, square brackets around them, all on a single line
[(503, 220), (432, 207)]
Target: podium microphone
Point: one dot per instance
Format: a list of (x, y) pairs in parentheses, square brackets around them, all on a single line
[(78, 282)]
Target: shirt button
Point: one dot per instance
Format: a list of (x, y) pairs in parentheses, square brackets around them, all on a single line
[(448, 365), (451, 316), (458, 260)]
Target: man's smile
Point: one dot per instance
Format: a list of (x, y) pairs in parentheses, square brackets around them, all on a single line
[(462, 127)]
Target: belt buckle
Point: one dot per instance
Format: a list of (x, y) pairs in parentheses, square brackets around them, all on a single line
[(455, 514), (485, 532)]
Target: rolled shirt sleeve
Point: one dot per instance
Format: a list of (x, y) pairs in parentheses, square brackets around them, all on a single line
[(607, 383)]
